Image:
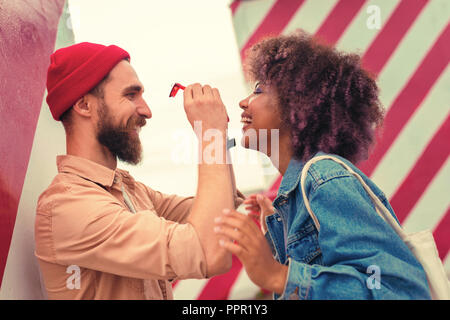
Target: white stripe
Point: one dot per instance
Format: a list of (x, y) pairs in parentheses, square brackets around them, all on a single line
[(447, 265), (310, 16), (433, 204), (243, 288), (414, 137), (248, 17), (358, 36), (412, 50), (189, 289)]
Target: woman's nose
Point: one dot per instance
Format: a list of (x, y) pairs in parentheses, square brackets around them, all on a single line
[(243, 104)]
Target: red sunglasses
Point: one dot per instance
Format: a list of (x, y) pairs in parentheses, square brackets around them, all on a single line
[(175, 89)]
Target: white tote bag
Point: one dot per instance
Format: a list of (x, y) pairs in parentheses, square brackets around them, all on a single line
[(420, 243)]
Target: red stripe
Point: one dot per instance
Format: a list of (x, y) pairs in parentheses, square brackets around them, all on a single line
[(272, 192), (338, 20), (25, 47), (392, 33), (274, 22), (218, 288), (410, 98), (441, 236), (234, 5), (426, 167), (276, 184), (9, 202)]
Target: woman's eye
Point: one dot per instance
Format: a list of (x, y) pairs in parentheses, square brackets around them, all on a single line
[(257, 90)]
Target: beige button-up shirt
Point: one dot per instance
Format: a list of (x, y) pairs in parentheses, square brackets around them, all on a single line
[(90, 244)]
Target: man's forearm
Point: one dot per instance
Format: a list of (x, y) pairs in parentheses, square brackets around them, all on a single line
[(233, 180), (214, 193)]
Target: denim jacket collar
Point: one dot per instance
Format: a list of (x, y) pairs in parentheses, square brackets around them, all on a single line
[(292, 176)]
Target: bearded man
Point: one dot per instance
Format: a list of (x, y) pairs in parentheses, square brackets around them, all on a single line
[(99, 233)]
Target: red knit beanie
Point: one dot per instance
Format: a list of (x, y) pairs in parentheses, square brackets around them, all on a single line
[(76, 70)]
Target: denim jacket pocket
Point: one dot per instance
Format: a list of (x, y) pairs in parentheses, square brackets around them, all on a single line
[(303, 245)]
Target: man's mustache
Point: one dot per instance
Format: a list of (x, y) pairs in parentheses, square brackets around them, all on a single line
[(140, 122)]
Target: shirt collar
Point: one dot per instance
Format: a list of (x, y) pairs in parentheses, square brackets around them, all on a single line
[(292, 176), (88, 169)]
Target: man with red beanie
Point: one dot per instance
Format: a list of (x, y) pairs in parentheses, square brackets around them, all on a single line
[(99, 233)]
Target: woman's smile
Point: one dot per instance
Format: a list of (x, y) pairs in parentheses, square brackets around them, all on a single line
[(246, 119)]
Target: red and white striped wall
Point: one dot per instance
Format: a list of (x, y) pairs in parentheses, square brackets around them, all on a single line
[(409, 53)]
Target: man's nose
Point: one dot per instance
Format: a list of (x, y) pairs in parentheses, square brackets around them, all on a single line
[(144, 110)]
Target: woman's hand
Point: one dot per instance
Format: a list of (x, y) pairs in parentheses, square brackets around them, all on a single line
[(259, 206), (250, 246)]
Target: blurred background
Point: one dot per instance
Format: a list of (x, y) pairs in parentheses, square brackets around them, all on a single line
[(405, 43)]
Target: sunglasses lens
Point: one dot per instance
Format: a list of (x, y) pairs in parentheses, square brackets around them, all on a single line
[(174, 90)]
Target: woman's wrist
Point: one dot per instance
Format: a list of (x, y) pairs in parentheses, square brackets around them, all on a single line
[(279, 278)]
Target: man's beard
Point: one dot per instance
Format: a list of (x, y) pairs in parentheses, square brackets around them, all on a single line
[(120, 140)]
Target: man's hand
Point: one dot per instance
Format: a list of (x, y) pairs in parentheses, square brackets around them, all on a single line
[(203, 103)]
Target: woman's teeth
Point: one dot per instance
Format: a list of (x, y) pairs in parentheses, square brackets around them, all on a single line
[(246, 120)]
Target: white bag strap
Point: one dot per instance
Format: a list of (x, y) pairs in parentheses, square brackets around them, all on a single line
[(379, 206)]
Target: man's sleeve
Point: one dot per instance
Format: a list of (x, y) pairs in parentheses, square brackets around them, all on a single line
[(92, 229), (177, 208), (170, 207)]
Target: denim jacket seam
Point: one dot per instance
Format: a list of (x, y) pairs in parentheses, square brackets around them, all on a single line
[(286, 282), (379, 194), (328, 180), (320, 179), (300, 234), (268, 236), (307, 286), (302, 289), (275, 244)]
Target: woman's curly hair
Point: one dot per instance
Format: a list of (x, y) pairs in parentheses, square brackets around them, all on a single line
[(329, 102)]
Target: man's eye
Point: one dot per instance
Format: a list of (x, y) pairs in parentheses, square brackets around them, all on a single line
[(131, 95)]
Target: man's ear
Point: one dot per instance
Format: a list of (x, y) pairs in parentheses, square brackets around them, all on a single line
[(83, 107)]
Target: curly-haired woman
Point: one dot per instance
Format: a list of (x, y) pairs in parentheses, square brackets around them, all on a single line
[(320, 102)]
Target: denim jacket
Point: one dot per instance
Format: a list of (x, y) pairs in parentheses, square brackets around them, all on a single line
[(356, 255)]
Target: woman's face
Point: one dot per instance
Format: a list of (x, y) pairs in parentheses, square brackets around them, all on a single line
[(261, 120)]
